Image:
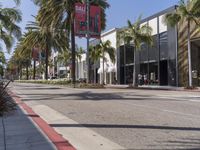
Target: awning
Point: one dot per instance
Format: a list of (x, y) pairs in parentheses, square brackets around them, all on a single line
[(62, 68), (112, 69), (100, 70)]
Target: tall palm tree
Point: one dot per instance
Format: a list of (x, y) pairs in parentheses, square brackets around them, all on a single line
[(53, 13), (137, 34), (106, 48), (187, 11), (23, 55), (95, 55), (9, 17), (47, 39)]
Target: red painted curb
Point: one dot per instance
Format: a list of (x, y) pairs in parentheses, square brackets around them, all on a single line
[(57, 139)]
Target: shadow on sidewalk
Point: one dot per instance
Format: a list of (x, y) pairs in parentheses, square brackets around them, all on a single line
[(22, 134)]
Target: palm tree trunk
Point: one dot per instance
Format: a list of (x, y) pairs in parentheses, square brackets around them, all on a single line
[(73, 50), (27, 72), (95, 73), (134, 68), (20, 72), (103, 70), (66, 70), (46, 61), (34, 70), (189, 56), (77, 69)]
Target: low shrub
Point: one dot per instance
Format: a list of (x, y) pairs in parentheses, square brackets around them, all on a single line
[(93, 86), (62, 82), (6, 102), (54, 82), (190, 88)]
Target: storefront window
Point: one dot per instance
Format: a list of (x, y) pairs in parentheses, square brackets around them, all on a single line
[(163, 46), (153, 50), (129, 54)]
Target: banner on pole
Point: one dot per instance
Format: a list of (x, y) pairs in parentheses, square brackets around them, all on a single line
[(81, 21), (35, 54)]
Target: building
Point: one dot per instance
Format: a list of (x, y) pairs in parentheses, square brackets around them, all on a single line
[(164, 63), (110, 69), (155, 64)]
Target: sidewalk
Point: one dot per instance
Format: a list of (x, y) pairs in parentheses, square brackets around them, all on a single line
[(18, 132), (152, 87)]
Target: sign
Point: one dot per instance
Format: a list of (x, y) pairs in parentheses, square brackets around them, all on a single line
[(95, 21), (81, 21), (35, 54)]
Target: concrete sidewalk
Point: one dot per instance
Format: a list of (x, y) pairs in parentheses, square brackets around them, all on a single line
[(19, 132), (152, 87)]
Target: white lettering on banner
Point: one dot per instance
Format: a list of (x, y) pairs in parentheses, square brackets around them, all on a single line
[(80, 9)]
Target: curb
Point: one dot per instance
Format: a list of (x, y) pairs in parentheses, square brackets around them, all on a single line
[(149, 88), (59, 142)]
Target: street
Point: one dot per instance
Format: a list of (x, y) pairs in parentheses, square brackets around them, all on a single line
[(120, 118)]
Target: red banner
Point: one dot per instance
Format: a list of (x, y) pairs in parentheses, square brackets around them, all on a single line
[(95, 21), (35, 54), (81, 21)]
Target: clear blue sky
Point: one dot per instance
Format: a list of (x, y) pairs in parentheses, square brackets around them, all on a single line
[(117, 15)]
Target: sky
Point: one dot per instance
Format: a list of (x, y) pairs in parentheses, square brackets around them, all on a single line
[(117, 15)]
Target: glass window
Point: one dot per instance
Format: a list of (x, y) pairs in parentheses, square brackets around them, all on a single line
[(162, 25), (144, 52), (121, 53), (153, 50), (163, 46), (129, 54), (154, 25)]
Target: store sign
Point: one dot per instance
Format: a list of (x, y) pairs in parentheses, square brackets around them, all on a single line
[(81, 21)]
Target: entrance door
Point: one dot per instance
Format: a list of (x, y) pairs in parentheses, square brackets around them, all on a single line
[(163, 72), (195, 61)]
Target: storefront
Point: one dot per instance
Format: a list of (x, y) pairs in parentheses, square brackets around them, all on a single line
[(155, 65), (165, 63)]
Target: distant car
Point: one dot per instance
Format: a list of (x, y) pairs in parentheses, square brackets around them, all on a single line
[(82, 80), (54, 77)]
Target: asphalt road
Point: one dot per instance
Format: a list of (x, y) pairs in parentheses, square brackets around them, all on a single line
[(134, 119)]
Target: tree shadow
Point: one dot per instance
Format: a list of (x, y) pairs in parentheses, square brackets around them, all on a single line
[(119, 126), (93, 96)]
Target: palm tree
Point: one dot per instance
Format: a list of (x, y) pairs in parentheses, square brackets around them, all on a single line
[(47, 39), (187, 11), (95, 55), (9, 17), (64, 57), (137, 34), (79, 52), (2, 61), (53, 13), (23, 56), (106, 48)]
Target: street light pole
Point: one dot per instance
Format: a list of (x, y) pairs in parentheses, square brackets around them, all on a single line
[(88, 39)]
